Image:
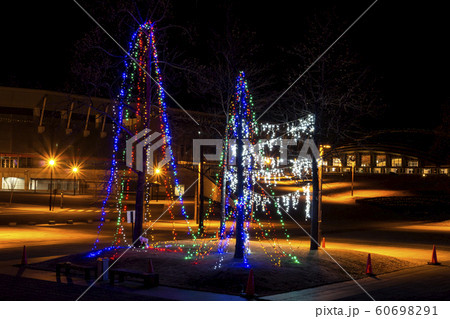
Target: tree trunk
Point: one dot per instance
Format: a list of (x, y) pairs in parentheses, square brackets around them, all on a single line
[(239, 251), (315, 207), (201, 212)]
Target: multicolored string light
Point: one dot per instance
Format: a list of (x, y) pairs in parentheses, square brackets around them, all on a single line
[(133, 111)]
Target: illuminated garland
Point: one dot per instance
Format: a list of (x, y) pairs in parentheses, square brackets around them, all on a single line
[(142, 48), (133, 98), (269, 171)]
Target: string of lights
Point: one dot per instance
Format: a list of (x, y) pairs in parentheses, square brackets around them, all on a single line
[(257, 164)]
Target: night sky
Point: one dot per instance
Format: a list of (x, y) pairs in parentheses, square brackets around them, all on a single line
[(405, 44)]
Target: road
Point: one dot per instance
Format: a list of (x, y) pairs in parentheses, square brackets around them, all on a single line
[(346, 223)]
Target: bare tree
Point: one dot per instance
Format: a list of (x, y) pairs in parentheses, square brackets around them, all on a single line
[(11, 184), (98, 62), (339, 89), (212, 81)]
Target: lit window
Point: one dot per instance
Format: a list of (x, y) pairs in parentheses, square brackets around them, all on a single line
[(413, 163), (396, 162), (365, 160), (336, 161), (381, 160)]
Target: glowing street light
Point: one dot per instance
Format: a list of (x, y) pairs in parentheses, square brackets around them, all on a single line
[(157, 171), (75, 172), (51, 164)]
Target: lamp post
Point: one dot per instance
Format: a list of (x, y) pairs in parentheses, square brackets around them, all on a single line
[(74, 171), (157, 172), (353, 175), (51, 163)]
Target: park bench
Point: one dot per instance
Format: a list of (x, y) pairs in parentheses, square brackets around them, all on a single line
[(150, 279), (68, 266)]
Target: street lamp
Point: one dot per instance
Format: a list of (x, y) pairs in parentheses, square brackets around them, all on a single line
[(74, 171), (353, 174), (51, 164), (157, 172)]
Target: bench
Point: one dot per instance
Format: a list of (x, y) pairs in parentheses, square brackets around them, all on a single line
[(68, 266), (150, 279)]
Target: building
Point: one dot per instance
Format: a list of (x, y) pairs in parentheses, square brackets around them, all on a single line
[(382, 158), (75, 131)]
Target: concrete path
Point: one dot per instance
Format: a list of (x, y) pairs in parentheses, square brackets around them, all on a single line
[(419, 283)]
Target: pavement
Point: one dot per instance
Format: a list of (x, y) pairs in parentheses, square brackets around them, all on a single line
[(21, 283), (25, 213), (427, 282), (375, 230)]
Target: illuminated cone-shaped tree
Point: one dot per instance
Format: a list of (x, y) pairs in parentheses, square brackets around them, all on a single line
[(142, 88), (241, 128)]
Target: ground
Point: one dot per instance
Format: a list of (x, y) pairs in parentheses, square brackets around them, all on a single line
[(222, 273), (389, 217)]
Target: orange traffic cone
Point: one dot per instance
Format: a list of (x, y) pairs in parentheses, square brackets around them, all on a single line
[(434, 257), (250, 290), (322, 245), (150, 266), (369, 271), (24, 256)]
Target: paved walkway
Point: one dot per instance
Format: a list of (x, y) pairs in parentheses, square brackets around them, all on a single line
[(425, 282), (28, 284), (419, 283)]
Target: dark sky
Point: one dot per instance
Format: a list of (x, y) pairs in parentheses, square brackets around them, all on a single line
[(405, 43)]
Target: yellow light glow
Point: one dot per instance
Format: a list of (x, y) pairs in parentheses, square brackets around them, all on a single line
[(75, 169), (51, 162), (157, 170), (268, 160)]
